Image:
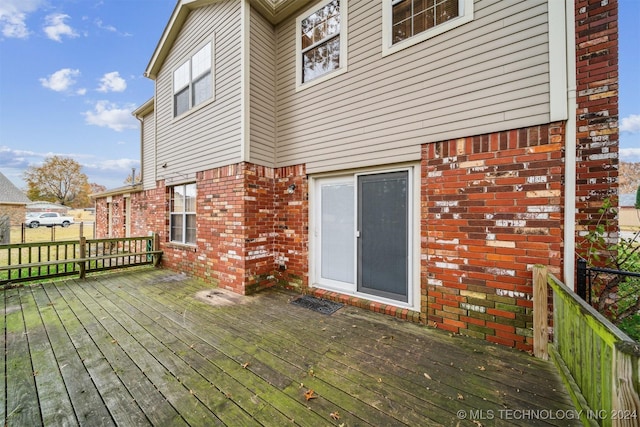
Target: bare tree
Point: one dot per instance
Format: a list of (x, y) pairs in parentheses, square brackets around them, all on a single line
[(59, 180)]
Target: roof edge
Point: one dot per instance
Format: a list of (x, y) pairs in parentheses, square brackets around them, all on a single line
[(275, 11), (147, 107)]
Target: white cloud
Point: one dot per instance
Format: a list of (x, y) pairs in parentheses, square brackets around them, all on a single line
[(61, 80), (112, 82), (630, 123), (13, 17), (102, 26), (118, 164), (107, 114), (55, 27), (630, 155)]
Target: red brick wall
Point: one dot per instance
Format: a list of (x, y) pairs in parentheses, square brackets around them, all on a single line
[(292, 226), (492, 208), (16, 213), (251, 232), (597, 115)]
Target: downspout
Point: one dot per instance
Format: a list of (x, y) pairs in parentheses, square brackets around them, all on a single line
[(570, 150)]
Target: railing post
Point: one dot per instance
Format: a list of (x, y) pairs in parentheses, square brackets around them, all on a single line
[(156, 247), (83, 254), (540, 312), (581, 275)]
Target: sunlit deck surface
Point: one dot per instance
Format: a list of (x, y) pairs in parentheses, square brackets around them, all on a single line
[(138, 348)]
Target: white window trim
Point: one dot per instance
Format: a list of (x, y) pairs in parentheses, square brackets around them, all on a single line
[(343, 46), (413, 291), (466, 15), (189, 57), (184, 216)]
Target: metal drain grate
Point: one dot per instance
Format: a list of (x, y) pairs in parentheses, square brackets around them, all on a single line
[(317, 304)]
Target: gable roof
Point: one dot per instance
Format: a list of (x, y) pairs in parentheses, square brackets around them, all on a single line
[(10, 194), (275, 11)]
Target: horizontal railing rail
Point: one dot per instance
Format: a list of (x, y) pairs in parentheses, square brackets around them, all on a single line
[(31, 261)]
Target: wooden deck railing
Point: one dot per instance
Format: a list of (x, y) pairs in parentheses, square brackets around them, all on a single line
[(600, 364), (30, 261)]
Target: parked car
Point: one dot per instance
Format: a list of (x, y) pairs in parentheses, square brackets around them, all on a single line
[(49, 219)]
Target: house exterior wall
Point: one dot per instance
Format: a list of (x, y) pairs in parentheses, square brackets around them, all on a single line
[(488, 75), (493, 209), (472, 106), (262, 97), (148, 152), (597, 115), (16, 213), (209, 135)]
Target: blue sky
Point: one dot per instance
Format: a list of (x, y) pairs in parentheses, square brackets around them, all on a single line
[(71, 73)]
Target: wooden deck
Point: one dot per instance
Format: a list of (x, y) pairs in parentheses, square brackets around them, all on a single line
[(137, 348)]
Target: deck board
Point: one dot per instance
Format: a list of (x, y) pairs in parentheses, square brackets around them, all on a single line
[(137, 348), (22, 397)]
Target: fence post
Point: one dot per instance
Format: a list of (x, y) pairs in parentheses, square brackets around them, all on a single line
[(581, 275), (23, 232), (540, 312), (83, 254), (81, 229)]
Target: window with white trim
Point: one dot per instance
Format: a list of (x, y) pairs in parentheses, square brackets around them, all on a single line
[(193, 81), (321, 41), (182, 221), (407, 22)]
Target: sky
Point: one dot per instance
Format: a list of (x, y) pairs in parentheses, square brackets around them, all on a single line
[(71, 74)]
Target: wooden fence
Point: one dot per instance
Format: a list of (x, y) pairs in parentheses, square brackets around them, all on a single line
[(31, 261), (599, 363)]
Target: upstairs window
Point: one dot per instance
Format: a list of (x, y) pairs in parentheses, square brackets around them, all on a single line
[(193, 81), (407, 22), (183, 214), (321, 41)]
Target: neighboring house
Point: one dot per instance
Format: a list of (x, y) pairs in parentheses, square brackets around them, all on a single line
[(13, 202), (413, 161), (629, 216), (42, 206)]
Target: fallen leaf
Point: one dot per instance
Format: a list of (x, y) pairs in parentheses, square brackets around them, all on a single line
[(310, 394), (427, 376), (335, 415), (379, 380), (478, 423), (482, 368), (460, 397), (245, 364)]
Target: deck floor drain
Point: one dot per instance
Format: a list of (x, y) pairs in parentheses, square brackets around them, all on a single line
[(317, 304)]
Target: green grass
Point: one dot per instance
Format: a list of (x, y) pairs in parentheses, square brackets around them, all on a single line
[(45, 234)]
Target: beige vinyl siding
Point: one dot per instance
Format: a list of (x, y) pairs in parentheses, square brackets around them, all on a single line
[(209, 135), (262, 113), (488, 75), (148, 151)]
